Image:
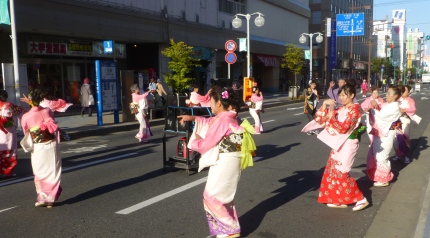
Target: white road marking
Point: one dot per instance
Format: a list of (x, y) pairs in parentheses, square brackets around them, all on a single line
[(294, 108), (161, 197), (84, 149), (299, 114), (67, 169), (257, 158), (8, 209), (268, 121), (424, 98)]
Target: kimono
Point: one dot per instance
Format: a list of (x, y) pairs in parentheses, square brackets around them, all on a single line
[(402, 141), (365, 105), (341, 133), (224, 171), (42, 140), (8, 146), (140, 103), (383, 123), (256, 106), (364, 88), (199, 100)]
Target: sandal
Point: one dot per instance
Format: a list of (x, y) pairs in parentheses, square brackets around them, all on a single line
[(337, 205), (360, 206)]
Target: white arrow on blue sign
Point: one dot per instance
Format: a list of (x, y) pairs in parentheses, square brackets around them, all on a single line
[(351, 24)]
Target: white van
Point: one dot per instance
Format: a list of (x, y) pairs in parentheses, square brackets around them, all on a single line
[(425, 78)]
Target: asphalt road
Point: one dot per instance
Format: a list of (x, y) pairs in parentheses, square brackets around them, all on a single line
[(115, 187)]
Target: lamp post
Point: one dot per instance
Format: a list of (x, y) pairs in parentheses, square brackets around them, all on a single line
[(237, 22), (302, 40)]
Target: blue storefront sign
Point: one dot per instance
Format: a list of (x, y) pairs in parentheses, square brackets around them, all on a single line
[(108, 46), (351, 24)]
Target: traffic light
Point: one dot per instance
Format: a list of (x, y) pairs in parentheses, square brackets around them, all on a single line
[(428, 37)]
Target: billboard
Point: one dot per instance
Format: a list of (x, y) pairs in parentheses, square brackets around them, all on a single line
[(399, 16)]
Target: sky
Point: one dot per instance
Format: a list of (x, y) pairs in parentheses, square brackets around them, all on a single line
[(417, 13)]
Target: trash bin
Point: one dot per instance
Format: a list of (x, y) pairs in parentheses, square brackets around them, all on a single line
[(294, 91)]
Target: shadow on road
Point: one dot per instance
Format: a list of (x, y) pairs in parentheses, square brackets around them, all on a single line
[(283, 126), (295, 185), (271, 151)]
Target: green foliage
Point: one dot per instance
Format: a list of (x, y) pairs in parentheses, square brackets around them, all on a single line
[(181, 63), (294, 59)]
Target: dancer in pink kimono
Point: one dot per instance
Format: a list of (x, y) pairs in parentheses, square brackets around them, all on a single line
[(364, 88), (139, 106), (407, 110), (384, 123), (366, 106), (255, 109), (42, 140), (341, 132), (8, 146), (197, 100), (225, 168)]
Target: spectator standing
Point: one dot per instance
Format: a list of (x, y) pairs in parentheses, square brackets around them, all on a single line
[(86, 93), (311, 101), (384, 85), (162, 90)]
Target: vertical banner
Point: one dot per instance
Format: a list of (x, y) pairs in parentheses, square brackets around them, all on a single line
[(332, 49), (107, 89), (4, 12), (242, 45)]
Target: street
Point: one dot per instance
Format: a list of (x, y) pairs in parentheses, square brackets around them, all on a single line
[(114, 186)]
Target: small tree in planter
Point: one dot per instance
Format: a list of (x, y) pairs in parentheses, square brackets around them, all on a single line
[(181, 63), (293, 60)]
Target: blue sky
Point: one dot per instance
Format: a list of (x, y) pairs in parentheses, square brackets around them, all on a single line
[(417, 13)]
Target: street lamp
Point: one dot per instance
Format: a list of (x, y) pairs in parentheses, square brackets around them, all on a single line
[(237, 22), (302, 40)]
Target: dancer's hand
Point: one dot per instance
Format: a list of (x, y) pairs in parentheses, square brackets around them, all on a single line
[(185, 118)]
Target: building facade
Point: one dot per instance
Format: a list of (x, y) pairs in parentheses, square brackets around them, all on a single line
[(59, 40)]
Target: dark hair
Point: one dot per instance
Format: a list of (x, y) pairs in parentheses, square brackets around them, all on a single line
[(227, 96), (312, 81), (37, 95), (194, 85), (401, 88), (374, 88), (408, 87), (3, 95), (397, 91), (349, 88)]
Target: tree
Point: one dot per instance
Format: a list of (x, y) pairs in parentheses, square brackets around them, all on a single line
[(293, 60), (181, 63)]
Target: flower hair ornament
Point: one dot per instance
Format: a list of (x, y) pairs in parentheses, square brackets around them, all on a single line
[(224, 94)]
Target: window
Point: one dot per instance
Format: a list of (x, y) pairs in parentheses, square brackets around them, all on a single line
[(232, 6), (316, 17), (316, 1)]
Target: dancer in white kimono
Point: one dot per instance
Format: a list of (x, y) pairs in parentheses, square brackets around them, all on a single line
[(384, 123)]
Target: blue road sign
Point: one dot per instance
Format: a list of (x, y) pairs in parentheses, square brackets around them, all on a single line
[(230, 58), (351, 24)]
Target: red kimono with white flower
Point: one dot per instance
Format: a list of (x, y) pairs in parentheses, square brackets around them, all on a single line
[(337, 187)]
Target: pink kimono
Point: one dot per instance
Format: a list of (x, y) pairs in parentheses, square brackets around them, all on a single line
[(42, 141), (257, 102), (144, 130), (223, 175), (365, 105), (364, 88), (197, 99), (402, 142), (381, 122)]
